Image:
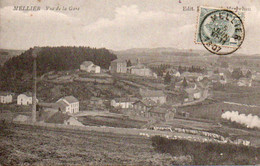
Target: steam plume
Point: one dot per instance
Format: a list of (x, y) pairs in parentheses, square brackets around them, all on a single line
[(250, 120)]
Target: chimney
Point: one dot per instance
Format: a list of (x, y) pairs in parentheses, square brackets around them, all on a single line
[(34, 55)]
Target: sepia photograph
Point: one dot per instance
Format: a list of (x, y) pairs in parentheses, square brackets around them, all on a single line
[(129, 82)]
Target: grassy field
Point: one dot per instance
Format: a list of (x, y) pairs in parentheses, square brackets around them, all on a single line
[(22, 144), (35, 145), (111, 121)]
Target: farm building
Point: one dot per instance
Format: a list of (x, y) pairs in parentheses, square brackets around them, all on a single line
[(123, 102), (193, 94), (141, 70), (118, 66), (96, 101), (6, 97), (141, 107), (172, 72), (89, 67), (68, 104), (161, 114), (25, 99), (156, 95)]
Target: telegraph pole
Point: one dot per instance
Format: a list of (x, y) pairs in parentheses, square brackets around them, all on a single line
[(34, 55)]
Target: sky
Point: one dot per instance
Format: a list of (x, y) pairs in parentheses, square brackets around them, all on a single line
[(116, 24)]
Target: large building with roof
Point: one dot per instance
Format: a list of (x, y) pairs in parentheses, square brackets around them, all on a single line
[(25, 99), (156, 95), (118, 66), (125, 102), (141, 70), (68, 104), (89, 67)]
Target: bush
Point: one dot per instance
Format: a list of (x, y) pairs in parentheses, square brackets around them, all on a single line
[(207, 152)]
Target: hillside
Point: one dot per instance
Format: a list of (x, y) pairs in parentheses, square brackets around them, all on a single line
[(6, 54), (16, 72), (160, 51)]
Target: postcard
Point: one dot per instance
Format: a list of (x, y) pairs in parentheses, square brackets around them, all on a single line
[(129, 82)]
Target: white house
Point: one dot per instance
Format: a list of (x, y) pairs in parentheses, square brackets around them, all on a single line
[(244, 82), (156, 95), (123, 102), (88, 66), (192, 94), (6, 97), (118, 66), (25, 99), (141, 70), (68, 104)]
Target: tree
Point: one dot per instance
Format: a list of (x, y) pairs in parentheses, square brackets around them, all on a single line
[(129, 63), (167, 78), (248, 74), (184, 83), (237, 73), (180, 69)]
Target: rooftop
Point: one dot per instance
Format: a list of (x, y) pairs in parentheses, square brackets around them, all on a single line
[(60, 103), (70, 99), (147, 102), (126, 99), (87, 63), (28, 94), (119, 61)]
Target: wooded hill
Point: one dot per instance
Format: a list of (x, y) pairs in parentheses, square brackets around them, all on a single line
[(17, 70)]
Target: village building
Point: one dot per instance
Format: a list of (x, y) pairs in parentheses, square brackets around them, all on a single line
[(118, 66), (244, 82), (6, 97), (141, 70), (141, 107), (150, 110), (161, 114), (96, 101), (192, 94), (25, 99), (156, 95), (190, 75), (172, 72), (201, 77), (68, 104), (218, 78), (89, 67), (124, 102)]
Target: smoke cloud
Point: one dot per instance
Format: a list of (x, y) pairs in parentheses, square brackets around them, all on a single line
[(250, 120)]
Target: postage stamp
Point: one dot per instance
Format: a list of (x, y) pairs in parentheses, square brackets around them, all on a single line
[(220, 31)]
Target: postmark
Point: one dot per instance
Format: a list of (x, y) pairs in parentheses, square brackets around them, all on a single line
[(220, 31)]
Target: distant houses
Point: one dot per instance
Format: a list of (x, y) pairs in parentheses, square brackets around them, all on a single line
[(68, 104), (124, 103), (25, 99), (149, 109), (118, 66), (141, 107), (89, 67), (156, 95), (6, 97), (192, 94)]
